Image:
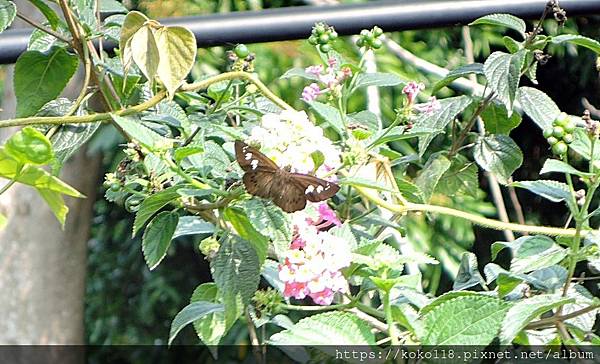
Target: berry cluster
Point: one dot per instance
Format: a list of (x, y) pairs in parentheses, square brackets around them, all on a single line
[(560, 135), (241, 58), (322, 35), (370, 38)]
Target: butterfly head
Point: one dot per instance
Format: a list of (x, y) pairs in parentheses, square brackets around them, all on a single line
[(287, 168)]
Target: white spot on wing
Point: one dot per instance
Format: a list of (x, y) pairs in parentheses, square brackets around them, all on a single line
[(254, 164), (319, 189), (248, 156), (309, 189)]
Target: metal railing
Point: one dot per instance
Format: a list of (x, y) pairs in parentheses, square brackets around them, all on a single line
[(296, 22)]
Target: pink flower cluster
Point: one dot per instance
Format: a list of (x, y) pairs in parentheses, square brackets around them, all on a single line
[(331, 77), (412, 89), (312, 264)]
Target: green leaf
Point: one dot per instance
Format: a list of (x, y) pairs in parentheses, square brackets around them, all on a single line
[(512, 45), (538, 106), (583, 299), (33, 176), (460, 178), (50, 15), (363, 182), (468, 274), (190, 313), (535, 252), (70, 137), (435, 123), (557, 166), (112, 6), (152, 204), (212, 327), (192, 225), (499, 155), (299, 72), (134, 20), (582, 144), (503, 71), (577, 39), (56, 203), (467, 320), (436, 302), (431, 174), (177, 49), (8, 11), (330, 115), (462, 71), (136, 130), (377, 79), (41, 77), (242, 225), (505, 20), (29, 146), (157, 237), (271, 222), (326, 329), (497, 121), (182, 152), (397, 133), (551, 190), (236, 271), (214, 160), (145, 52), (525, 311)]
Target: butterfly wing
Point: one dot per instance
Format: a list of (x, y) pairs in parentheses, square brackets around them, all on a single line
[(250, 159), (259, 183), (315, 189), (286, 194)]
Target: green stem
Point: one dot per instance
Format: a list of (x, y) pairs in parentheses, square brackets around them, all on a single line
[(7, 186), (392, 329), (175, 168), (370, 310)]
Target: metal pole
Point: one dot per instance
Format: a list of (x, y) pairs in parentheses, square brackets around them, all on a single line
[(296, 22)]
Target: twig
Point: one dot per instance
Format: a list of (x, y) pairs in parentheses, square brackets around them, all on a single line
[(253, 338), (44, 29)]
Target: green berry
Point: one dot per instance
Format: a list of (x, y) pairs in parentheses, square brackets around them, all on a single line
[(320, 29), (115, 186), (312, 40), (364, 33), (376, 43), (377, 31), (547, 133), (325, 48), (560, 148), (324, 39), (241, 51), (552, 140), (360, 42), (568, 138), (562, 119), (570, 126), (558, 132), (333, 35)]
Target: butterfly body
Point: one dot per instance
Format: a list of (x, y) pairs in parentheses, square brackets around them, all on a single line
[(290, 191)]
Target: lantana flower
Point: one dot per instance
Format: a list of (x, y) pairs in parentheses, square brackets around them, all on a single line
[(331, 78), (312, 266), (290, 139)]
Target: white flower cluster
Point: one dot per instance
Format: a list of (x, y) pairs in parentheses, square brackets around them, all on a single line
[(312, 265), (289, 139)]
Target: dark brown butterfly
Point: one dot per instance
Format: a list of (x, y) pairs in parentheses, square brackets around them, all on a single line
[(290, 191)]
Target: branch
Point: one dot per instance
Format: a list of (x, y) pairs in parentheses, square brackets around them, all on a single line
[(43, 28)]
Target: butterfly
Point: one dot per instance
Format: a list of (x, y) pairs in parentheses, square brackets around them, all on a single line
[(290, 191)]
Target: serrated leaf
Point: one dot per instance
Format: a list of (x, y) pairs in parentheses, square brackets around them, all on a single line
[(434, 303), (468, 274), (330, 115), (190, 313), (497, 121), (498, 154), (552, 190), (271, 222), (212, 327), (136, 130), (538, 106), (145, 52), (577, 39), (557, 166), (112, 6), (242, 225), (367, 119), (432, 172), (50, 15), (177, 49), (505, 20), (550, 278), (8, 11), (462, 71), (583, 299), (157, 237), (152, 204), (525, 311), (468, 320), (192, 225), (512, 45), (377, 79), (236, 271), (531, 253), (214, 159), (435, 123), (326, 329), (461, 178), (582, 145), (503, 71), (41, 77)]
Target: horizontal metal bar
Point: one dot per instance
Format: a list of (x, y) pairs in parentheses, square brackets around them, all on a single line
[(296, 22)]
